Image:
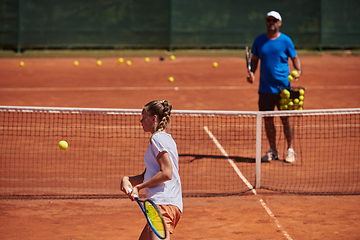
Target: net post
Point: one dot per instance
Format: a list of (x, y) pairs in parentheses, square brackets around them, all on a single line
[(258, 150)]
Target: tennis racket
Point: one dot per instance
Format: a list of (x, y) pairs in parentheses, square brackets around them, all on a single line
[(247, 56), (153, 216)]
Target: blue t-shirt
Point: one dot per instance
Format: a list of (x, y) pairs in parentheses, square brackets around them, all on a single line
[(274, 68)]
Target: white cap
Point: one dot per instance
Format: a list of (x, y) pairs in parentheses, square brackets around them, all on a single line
[(274, 14)]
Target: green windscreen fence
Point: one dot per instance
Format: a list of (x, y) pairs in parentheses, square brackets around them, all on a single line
[(173, 23)]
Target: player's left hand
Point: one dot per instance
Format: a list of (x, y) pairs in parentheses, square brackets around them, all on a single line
[(296, 78), (125, 185)]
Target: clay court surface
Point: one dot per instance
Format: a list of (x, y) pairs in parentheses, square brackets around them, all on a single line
[(330, 81)]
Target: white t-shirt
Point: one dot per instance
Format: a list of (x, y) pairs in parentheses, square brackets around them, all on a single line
[(169, 192)]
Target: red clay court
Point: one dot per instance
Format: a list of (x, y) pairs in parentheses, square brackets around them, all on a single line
[(331, 82)]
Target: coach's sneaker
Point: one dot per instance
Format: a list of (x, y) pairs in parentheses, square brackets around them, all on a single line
[(290, 156), (270, 155)]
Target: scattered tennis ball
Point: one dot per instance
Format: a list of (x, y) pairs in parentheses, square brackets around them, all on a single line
[(215, 64), (294, 73), (120, 60), (63, 145), (22, 64), (98, 62), (147, 59), (76, 63), (128, 63), (301, 92), (291, 78), (172, 57), (171, 79)]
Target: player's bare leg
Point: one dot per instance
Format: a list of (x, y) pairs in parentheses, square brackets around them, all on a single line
[(289, 133), (270, 132), (271, 136), (148, 234)]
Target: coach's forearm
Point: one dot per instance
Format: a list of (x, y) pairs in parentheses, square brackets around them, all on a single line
[(254, 63), (297, 64)]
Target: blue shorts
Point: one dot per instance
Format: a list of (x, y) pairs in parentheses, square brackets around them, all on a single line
[(268, 101)]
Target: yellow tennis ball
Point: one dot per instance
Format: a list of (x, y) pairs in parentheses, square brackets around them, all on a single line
[(291, 78), (301, 103), (171, 79), (294, 73), (172, 57), (63, 145), (76, 63), (147, 59), (296, 101), (98, 62), (301, 92), (215, 64), (22, 64), (120, 60), (301, 98), (128, 63), (287, 93)]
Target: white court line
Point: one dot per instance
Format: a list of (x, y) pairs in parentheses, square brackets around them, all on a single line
[(275, 219), (242, 177), (237, 170)]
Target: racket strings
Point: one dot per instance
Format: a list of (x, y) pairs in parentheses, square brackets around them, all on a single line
[(155, 219)]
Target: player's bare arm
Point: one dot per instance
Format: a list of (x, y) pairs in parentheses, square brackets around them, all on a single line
[(164, 174), (129, 182)]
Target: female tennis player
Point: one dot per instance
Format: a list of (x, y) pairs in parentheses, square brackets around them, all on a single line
[(161, 179)]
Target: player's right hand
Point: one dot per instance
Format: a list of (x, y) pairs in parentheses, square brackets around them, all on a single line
[(251, 77)]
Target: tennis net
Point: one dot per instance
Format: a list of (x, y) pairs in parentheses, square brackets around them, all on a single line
[(219, 152)]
